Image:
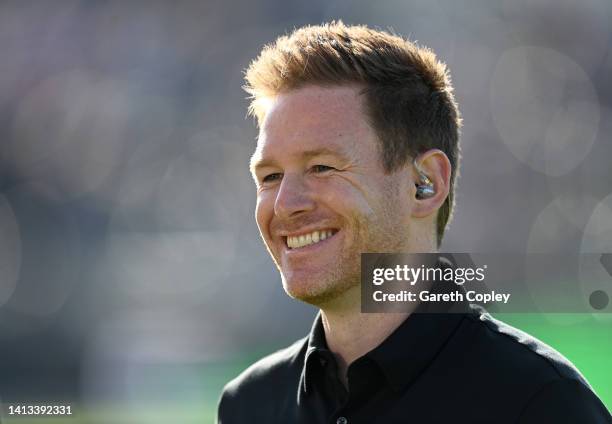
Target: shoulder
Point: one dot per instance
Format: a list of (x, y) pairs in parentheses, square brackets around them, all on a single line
[(538, 380), (565, 400), (263, 382), (517, 349), (269, 368)]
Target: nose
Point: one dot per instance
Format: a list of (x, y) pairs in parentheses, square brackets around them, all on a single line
[(293, 197)]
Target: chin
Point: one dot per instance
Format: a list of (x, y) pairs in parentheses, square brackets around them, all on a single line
[(302, 288), (317, 290)]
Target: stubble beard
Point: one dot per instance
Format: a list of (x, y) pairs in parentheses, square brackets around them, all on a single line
[(330, 284), (375, 233)]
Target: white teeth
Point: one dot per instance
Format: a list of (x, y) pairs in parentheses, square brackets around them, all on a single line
[(295, 242)]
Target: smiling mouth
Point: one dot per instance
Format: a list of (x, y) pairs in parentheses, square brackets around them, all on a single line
[(295, 242)]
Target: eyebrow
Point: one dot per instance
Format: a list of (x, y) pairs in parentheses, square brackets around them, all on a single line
[(257, 162)]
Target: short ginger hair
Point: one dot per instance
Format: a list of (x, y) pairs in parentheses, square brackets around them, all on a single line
[(408, 95)]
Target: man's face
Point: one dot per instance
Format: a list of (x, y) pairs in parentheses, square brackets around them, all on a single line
[(323, 197)]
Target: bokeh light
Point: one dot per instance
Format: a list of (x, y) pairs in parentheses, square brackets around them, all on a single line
[(545, 108)]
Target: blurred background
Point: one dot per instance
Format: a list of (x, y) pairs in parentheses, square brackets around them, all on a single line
[(133, 284)]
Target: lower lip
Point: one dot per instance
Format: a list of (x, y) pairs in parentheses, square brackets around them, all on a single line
[(311, 247)]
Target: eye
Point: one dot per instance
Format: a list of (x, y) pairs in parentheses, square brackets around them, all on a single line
[(322, 168), (272, 177)]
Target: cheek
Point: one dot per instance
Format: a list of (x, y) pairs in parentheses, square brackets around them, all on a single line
[(264, 209), (348, 196)]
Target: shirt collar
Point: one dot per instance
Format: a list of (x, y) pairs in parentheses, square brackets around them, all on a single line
[(405, 354), (316, 345)]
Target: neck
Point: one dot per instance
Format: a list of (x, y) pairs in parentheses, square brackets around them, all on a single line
[(350, 334)]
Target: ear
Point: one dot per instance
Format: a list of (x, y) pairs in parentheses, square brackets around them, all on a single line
[(434, 164)]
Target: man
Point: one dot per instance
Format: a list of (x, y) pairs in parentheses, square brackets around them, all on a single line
[(358, 152)]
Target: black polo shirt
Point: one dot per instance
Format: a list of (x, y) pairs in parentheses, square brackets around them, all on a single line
[(434, 368)]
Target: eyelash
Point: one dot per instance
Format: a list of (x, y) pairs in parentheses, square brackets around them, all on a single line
[(316, 168), (269, 178), (327, 168)]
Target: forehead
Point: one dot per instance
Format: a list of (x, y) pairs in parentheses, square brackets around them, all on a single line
[(314, 117)]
